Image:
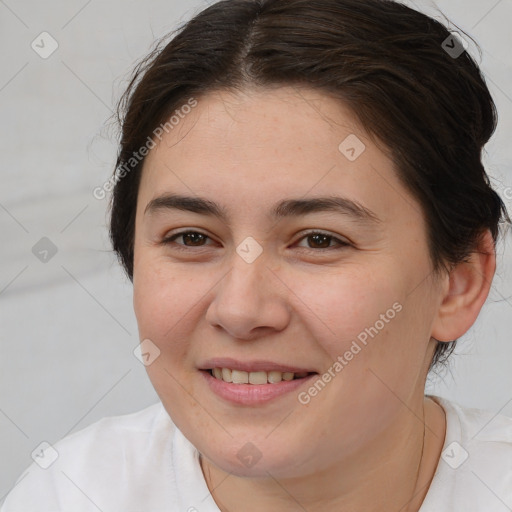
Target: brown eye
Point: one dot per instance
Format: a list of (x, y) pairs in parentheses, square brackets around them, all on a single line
[(319, 240), (189, 238)]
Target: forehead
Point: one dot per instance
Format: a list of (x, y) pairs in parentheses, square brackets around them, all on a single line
[(250, 149), (284, 120)]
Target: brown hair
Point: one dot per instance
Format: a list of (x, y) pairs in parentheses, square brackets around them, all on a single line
[(431, 109)]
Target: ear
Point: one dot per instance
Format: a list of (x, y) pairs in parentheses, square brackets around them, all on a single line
[(465, 291)]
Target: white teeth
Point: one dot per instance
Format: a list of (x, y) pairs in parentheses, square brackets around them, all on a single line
[(275, 377), (258, 377), (226, 375), (241, 377)]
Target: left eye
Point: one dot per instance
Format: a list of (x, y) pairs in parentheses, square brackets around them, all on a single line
[(324, 240), (319, 239)]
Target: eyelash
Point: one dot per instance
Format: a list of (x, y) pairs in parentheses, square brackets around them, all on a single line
[(181, 247)]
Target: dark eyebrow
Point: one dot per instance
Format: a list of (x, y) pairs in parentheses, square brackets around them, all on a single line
[(342, 205), (286, 208)]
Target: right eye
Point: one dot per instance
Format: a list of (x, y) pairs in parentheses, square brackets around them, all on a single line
[(194, 237)]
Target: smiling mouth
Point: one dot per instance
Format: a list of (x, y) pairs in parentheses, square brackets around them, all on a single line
[(255, 378)]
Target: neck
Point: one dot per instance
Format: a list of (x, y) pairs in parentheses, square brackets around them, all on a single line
[(394, 472)]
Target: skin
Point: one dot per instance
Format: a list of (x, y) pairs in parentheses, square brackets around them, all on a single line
[(370, 440)]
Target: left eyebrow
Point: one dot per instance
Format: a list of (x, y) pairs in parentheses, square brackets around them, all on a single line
[(337, 204), (285, 208)]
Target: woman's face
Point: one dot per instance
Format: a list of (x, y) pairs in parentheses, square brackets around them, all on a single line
[(280, 281)]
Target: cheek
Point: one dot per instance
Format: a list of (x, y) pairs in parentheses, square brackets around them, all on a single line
[(163, 300), (371, 329), (382, 335), (352, 306)]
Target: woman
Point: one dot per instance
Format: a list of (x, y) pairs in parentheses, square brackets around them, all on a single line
[(301, 206)]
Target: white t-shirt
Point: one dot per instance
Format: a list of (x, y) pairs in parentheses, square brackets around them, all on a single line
[(142, 463)]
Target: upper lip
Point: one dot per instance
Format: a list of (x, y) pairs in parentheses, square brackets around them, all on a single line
[(251, 366)]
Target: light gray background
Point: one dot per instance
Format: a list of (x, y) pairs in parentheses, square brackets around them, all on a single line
[(67, 328)]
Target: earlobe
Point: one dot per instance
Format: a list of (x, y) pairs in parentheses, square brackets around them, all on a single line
[(466, 291)]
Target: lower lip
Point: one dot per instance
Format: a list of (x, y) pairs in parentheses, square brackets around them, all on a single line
[(252, 394)]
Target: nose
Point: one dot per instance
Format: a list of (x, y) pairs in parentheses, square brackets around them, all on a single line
[(250, 301)]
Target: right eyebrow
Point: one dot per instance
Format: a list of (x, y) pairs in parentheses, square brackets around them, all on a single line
[(186, 203)]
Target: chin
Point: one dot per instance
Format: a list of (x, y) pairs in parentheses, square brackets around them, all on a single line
[(256, 460)]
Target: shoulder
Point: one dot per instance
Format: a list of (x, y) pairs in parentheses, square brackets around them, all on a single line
[(99, 464), (486, 436), (478, 429), (148, 421), (111, 436), (475, 468)]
